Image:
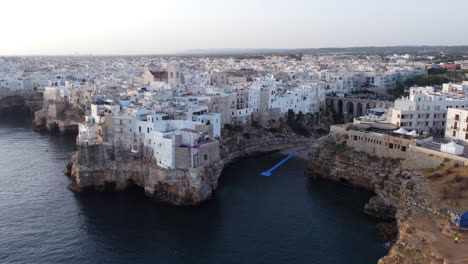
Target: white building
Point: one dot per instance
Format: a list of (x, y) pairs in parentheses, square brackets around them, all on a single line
[(89, 133), (424, 109), (305, 99), (461, 88), (457, 125)]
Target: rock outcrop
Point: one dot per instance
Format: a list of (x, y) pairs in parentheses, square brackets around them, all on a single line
[(100, 167), (20, 102), (66, 123), (402, 195)]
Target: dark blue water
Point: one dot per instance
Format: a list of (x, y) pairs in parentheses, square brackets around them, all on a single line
[(286, 218)]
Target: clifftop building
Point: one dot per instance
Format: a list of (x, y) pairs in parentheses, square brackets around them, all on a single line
[(424, 109)]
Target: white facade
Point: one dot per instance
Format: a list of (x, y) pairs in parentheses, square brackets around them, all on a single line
[(305, 99), (424, 109), (89, 133), (455, 87), (457, 125), (213, 119), (56, 93)]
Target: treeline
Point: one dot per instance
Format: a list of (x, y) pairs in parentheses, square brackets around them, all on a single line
[(426, 80), (420, 80)]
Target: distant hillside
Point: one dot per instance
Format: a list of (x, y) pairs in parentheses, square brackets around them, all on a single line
[(415, 50)]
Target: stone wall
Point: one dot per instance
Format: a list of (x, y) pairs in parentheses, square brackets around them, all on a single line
[(387, 146), (419, 157)]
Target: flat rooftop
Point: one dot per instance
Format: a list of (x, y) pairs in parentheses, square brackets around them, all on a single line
[(437, 142)]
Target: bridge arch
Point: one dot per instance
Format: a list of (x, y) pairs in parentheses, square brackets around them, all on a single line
[(349, 109), (360, 109), (340, 107)]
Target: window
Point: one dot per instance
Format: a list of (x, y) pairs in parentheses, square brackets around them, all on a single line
[(454, 134), (205, 156)]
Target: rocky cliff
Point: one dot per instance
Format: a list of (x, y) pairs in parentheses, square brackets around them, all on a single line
[(408, 197), (100, 167), (66, 123), (20, 102)]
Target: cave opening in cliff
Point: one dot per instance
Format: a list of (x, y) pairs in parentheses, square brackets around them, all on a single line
[(133, 188)]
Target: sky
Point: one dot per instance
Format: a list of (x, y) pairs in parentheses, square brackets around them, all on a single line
[(102, 27)]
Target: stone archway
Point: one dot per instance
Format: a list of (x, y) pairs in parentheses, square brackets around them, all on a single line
[(349, 109), (360, 109), (340, 107)]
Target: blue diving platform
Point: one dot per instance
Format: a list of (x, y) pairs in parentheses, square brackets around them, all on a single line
[(268, 172)]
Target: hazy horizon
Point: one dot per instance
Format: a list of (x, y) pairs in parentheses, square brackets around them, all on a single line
[(53, 27)]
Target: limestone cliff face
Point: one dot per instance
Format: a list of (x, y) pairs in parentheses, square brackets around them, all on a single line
[(66, 123), (251, 142), (42, 123), (20, 102), (99, 167), (401, 195)]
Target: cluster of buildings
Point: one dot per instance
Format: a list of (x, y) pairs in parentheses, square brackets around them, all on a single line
[(438, 112), (441, 115), (176, 107)]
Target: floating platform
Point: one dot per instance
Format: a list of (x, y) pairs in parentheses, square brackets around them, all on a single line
[(268, 172)]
